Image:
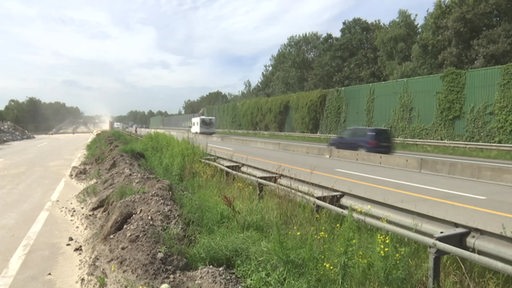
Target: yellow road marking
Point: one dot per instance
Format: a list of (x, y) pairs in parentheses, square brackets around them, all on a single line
[(377, 186)]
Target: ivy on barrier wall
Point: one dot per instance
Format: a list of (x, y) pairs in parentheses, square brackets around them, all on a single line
[(271, 114), (264, 114), (450, 104), (226, 115), (503, 108), (402, 121), (370, 107), (335, 117), (278, 109), (479, 122), (251, 113), (308, 108)]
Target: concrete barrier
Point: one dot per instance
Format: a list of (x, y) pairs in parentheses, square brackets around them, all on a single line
[(471, 170), (303, 148), (403, 162)]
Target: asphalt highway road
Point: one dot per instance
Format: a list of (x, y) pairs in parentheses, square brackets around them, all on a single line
[(34, 186), (482, 205)]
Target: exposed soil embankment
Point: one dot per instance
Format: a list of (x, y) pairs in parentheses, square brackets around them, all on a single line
[(129, 239)]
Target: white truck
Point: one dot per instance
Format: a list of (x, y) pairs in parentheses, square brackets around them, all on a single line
[(203, 125)]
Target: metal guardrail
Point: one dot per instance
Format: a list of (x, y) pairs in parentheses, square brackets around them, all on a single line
[(490, 146), (442, 237)]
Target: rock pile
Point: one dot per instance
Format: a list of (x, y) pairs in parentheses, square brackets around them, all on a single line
[(10, 132)]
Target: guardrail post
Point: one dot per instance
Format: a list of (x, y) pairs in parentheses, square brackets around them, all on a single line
[(454, 237), (268, 178), (434, 267), (260, 190)]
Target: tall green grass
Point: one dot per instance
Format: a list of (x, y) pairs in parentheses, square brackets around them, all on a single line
[(124, 191), (169, 158), (277, 242), (99, 145)]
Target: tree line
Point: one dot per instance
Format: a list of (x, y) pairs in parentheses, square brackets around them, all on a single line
[(139, 118), (36, 116), (456, 34)]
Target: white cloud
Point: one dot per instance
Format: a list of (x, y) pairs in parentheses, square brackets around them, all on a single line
[(125, 55)]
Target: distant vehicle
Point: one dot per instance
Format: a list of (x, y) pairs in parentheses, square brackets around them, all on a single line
[(118, 125), (203, 125), (369, 139)]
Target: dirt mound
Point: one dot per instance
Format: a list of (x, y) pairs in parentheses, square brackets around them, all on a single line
[(10, 132), (129, 242)]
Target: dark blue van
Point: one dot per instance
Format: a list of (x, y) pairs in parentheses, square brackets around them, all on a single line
[(369, 139)]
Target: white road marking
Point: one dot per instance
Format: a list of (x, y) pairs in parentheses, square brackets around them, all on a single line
[(17, 259), (19, 256), (220, 147), (413, 184), (42, 144)]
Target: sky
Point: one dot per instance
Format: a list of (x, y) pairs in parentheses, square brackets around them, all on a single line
[(110, 57)]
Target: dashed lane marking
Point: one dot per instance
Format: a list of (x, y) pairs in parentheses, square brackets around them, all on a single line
[(19, 256), (412, 184)]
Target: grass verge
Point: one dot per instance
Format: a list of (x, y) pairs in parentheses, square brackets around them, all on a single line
[(97, 148)]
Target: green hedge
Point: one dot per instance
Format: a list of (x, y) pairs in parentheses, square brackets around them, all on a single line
[(272, 114)]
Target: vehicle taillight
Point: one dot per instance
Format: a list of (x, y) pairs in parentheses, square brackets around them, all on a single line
[(373, 143)]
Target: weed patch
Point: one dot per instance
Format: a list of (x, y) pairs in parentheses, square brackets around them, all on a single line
[(88, 192), (124, 191)]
